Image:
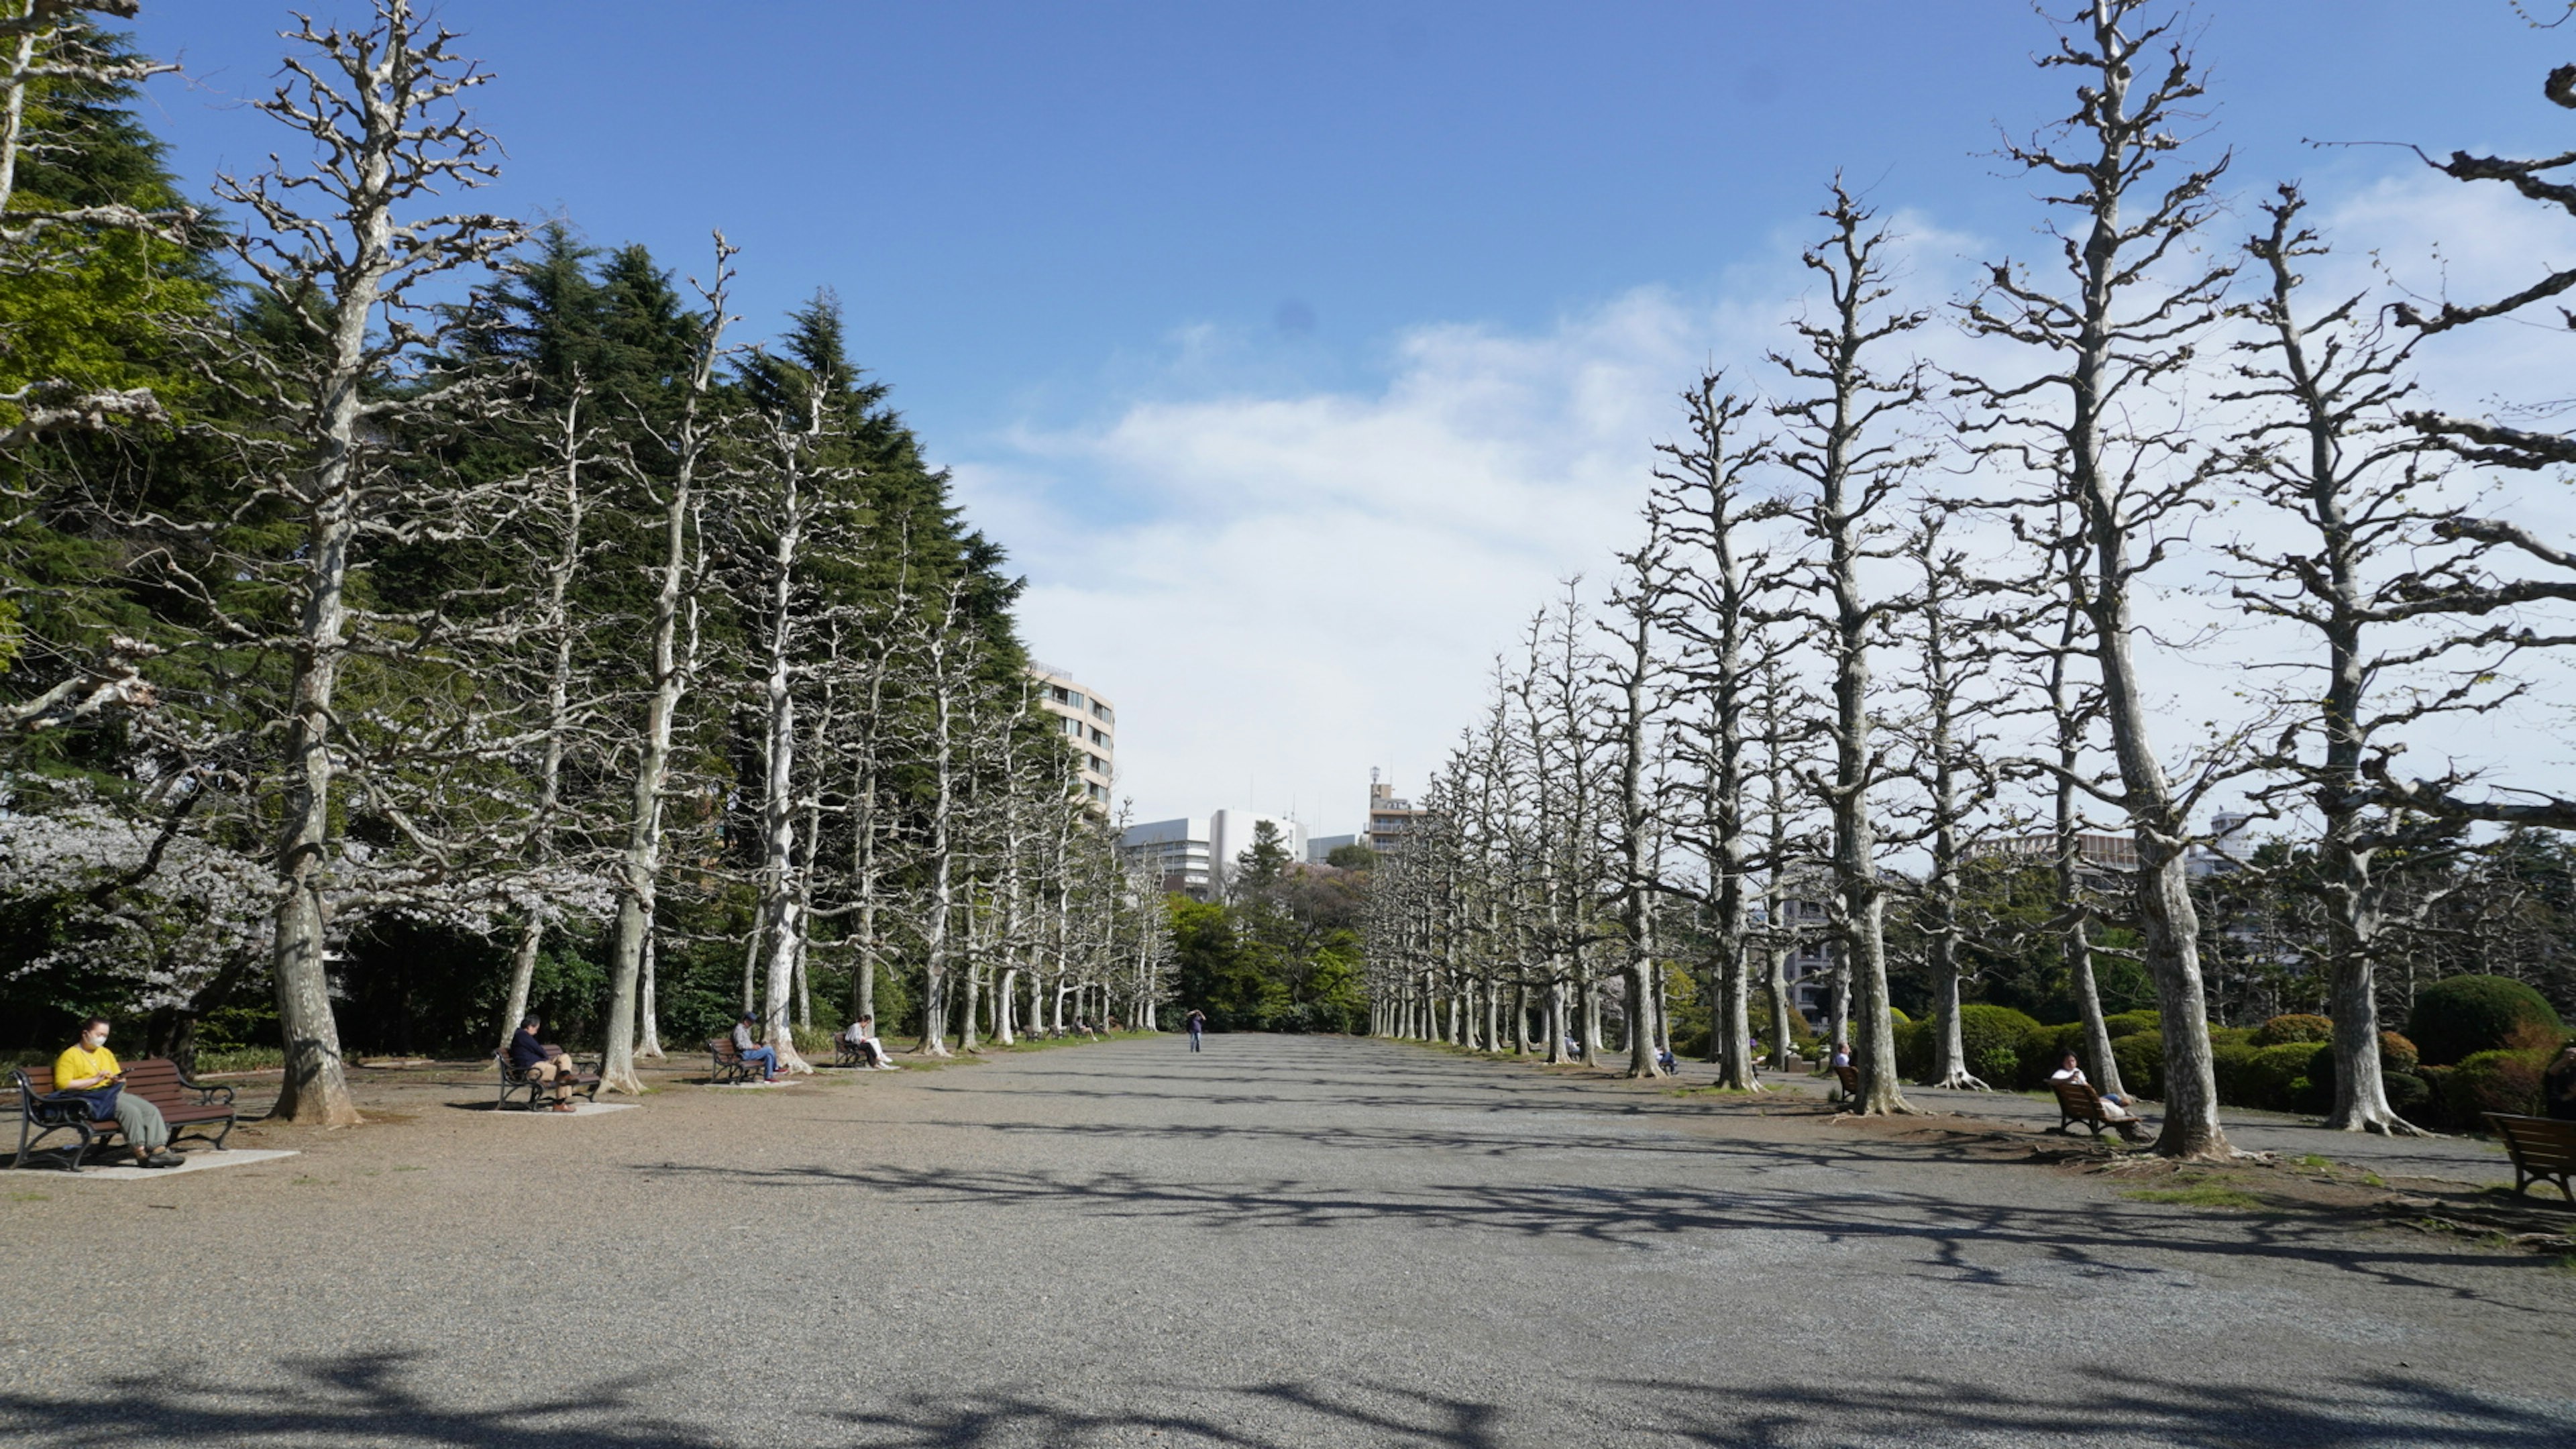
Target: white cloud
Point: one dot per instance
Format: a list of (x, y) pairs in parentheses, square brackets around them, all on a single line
[(1281, 588)]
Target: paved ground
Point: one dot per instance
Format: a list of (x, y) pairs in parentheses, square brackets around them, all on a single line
[(1278, 1243)]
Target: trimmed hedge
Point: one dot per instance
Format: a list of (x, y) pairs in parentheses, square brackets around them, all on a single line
[(2397, 1054), (2130, 1023), (2005, 1048), (2408, 1095), (2282, 1030), (2141, 1058), (2496, 1081), (2463, 1016)]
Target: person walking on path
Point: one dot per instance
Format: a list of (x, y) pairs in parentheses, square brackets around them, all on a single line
[(1197, 1024), (88, 1067), (748, 1047)]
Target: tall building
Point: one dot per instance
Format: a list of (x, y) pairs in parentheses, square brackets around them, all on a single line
[(1320, 848), (1177, 850), (1230, 834), (1088, 724), (1390, 819)]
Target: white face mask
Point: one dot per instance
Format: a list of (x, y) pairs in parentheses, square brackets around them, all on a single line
[(94, 1039)]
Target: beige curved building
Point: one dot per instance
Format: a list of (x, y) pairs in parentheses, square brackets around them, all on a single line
[(1088, 723)]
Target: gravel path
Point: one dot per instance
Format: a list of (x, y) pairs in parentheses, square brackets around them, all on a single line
[(2446, 1158), (1278, 1243)]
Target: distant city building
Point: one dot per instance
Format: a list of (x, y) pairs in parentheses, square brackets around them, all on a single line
[(1319, 849), (2105, 862), (1177, 850), (1088, 724), (1390, 820), (1231, 832)]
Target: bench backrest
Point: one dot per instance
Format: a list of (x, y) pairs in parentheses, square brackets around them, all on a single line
[(2079, 1100), (2542, 1142), (1850, 1078), (722, 1046), (154, 1079)]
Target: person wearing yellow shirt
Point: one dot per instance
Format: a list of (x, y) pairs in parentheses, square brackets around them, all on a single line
[(91, 1067)]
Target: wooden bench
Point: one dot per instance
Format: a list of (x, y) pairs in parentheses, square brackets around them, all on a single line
[(184, 1104), (2079, 1105), (585, 1082), (2543, 1150), (1850, 1079), (729, 1065)]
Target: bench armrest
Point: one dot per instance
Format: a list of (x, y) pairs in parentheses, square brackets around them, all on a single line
[(55, 1106), (206, 1090)]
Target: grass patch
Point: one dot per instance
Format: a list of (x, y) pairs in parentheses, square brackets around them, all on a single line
[(2197, 1194), (411, 1169), (48, 1197), (2317, 1160), (1711, 1090), (2566, 1264)]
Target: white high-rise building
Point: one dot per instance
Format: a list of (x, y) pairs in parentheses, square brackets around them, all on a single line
[(1176, 850), (1230, 834)]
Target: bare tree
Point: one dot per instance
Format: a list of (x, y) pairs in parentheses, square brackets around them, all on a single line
[(2329, 450), (1841, 441), (1704, 492), (380, 106), (2118, 329), (679, 577)]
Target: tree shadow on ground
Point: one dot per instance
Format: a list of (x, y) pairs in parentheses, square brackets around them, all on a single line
[(1946, 1233), (2371, 1411), (368, 1399), (363, 1398), (1748, 1156)]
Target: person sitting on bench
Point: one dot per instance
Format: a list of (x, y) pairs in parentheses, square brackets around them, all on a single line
[(2558, 1086), (88, 1066), (872, 1052), (2114, 1106), (746, 1044), (531, 1059)]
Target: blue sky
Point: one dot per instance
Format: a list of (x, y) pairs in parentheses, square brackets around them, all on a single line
[(1058, 229)]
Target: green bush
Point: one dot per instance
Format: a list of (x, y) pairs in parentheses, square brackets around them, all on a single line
[(2232, 1063), (2436, 1111), (2397, 1054), (1914, 1050), (1898, 1019), (2283, 1030), (2231, 1036), (2463, 1016), (2496, 1081), (2005, 1048), (2408, 1095), (2130, 1023), (2283, 1078), (2141, 1058)]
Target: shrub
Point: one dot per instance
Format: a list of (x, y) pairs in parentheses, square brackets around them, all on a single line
[(2397, 1054), (2231, 1036), (2141, 1059), (2283, 1078), (2495, 1081), (2282, 1030), (2436, 1111), (2003, 1045), (1914, 1050), (2131, 1023), (2408, 1095), (2233, 1064), (1898, 1018), (2456, 1019)]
